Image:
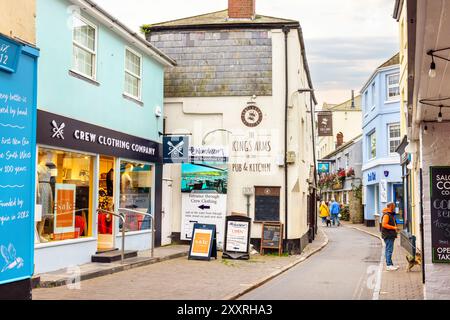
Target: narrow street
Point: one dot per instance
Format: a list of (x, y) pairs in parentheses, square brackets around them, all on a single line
[(345, 269)]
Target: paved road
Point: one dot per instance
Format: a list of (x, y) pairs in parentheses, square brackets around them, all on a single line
[(346, 269)]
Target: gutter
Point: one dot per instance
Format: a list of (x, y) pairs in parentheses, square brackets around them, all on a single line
[(286, 31), (94, 9)]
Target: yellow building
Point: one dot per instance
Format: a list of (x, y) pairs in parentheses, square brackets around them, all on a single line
[(347, 119), (17, 19), (411, 235)]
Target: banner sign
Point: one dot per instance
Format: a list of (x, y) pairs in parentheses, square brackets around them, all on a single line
[(237, 237), (217, 154), (323, 167), (325, 124), (175, 149), (440, 213), (59, 131), (203, 243), (204, 198), (17, 159)]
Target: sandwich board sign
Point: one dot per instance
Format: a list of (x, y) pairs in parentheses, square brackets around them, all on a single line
[(203, 243), (237, 237)]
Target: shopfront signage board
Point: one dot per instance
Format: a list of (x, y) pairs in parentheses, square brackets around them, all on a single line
[(440, 213), (63, 132), (204, 243), (17, 161), (272, 237), (237, 237), (323, 167)]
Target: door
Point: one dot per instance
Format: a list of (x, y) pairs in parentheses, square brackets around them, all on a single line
[(166, 223), (106, 202)]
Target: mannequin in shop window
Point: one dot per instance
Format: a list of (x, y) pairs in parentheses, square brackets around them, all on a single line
[(46, 182), (126, 190)]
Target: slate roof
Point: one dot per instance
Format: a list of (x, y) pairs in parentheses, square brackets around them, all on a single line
[(219, 18), (345, 106)]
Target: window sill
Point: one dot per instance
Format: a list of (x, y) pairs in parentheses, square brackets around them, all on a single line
[(392, 101), (137, 101), (63, 242), (83, 77)]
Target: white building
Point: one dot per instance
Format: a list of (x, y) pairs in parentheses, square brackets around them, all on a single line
[(227, 61)]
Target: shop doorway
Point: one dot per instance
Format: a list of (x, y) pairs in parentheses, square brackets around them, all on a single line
[(166, 225), (399, 204), (106, 202)]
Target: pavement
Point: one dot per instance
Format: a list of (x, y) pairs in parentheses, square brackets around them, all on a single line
[(395, 285), (183, 279), (94, 270), (346, 269)]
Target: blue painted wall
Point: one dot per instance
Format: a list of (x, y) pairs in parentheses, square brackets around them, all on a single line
[(101, 105), (17, 159), (378, 113)]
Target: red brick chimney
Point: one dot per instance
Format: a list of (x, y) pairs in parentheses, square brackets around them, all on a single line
[(339, 139), (241, 9)]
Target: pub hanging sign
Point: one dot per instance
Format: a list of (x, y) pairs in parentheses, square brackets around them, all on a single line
[(440, 214)]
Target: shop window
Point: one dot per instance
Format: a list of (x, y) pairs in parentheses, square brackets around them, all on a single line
[(133, 74), (136, 183), (84, 47), (64, 204)]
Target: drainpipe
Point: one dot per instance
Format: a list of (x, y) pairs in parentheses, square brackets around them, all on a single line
[(286, 33)]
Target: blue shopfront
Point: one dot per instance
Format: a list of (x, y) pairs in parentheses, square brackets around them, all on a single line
[(18, 87), (382, 184)]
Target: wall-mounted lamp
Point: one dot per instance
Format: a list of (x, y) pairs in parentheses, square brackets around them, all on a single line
[(437, 103), (432, 53)]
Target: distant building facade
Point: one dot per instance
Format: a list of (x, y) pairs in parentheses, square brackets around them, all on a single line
[(346, 121), (343, 182), (382, 176)]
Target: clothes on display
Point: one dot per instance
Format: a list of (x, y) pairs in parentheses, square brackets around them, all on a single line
[(110, 182)]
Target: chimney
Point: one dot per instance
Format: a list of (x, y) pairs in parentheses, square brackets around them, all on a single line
[(353, 99), (241, 9), (339, 139)]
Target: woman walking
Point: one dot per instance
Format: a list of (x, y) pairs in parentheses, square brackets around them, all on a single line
[(324, 212)]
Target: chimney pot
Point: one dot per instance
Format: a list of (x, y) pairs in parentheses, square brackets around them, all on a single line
[(241, 9)]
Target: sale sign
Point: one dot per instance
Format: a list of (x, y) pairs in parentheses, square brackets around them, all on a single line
[(203, 243), (64, 208)]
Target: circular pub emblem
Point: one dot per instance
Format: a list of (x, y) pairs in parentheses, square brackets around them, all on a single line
[(252, 116)]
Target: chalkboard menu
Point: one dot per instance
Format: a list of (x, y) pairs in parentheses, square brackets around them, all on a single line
[(440, 213), (17, 159), (272, 237), (267, 203)]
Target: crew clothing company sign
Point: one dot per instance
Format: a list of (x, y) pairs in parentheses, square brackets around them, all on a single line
[(440, 214), (59, 131)]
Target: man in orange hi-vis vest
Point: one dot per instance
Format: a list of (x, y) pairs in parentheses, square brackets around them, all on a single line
[(389, 231)]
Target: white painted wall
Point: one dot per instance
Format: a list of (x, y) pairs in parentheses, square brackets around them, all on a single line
[(202, 115)]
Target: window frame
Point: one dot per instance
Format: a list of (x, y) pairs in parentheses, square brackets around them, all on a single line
[(369, 145), (139, 77), (82, 47), (392, 139), (389, 86), (373, 94)]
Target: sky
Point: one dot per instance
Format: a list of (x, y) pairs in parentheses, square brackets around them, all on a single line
[(346, 40)]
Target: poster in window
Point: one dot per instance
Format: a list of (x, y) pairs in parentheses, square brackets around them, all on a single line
[(64, 208)]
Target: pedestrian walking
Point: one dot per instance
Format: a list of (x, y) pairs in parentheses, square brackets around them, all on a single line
[(324, 212), (335, 209), (389, 231)]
